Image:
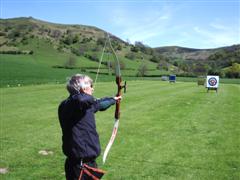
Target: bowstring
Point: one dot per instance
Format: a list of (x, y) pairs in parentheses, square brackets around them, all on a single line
[(116, 57), (100, 62)]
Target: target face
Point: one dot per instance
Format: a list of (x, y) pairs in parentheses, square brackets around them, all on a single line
[(212, 81)]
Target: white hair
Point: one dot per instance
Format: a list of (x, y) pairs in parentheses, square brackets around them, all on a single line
[(77, 82)]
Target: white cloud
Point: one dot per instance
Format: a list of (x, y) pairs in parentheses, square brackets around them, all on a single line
[(141, 27), (166, 25), (219, 36), (218, 26)]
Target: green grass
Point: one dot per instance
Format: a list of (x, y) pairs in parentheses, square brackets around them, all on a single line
[(166, 131), (26, 70)]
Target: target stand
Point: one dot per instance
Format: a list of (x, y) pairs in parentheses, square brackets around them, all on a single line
[(212, 89), (212, 83), (172, 78)]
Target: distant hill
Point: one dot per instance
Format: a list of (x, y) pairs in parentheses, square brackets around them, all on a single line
[(212, 61), (185, 53), (79, 47), (20, 29), (196, 54)]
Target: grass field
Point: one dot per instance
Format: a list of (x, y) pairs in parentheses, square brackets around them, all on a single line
[(167, 131)]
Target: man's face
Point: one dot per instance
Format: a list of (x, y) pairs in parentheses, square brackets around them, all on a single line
[(88, 90)]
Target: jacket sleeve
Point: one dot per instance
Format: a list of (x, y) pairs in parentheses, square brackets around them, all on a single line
[(84, 101), (103, 103)]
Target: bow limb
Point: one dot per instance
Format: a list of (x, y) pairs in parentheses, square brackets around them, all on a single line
[(117, 109), (114, 133)]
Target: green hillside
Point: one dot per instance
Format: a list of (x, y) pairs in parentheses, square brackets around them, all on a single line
[(33, 51), (203, 61)]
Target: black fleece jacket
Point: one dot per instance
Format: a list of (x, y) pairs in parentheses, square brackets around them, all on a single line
[(76, 115)]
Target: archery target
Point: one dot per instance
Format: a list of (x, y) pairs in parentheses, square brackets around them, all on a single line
[(212, 81)]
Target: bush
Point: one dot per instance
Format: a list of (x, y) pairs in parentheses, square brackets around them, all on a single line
[(233, 71), (71, 62), (130, 55), (86, 40), (113, 64), (14, 34), (143, 48), (142, 70), (14, 52), (134, 48), (3, 34), (24, 40), (216, 72), (92, 57), (55, 33), (163, 65), (101, 41), (70, 39)]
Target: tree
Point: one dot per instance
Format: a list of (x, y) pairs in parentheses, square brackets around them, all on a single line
[(142, 70), (55, 34), (163, 65), (128, 42), (70, 39), (134, 48), (234, 71), (199, 69), (101, 41), (113, 64), (130, 55), (71, 62), (14, 34), (158, 57), (143, 48), (116, 45), (175, 63)]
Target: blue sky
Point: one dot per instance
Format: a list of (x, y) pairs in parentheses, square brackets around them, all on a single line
[(188, 23)]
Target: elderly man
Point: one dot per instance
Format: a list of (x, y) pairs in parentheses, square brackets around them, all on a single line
[(79, 136)]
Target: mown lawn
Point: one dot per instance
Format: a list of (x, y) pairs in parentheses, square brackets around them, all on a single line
[(167, 131)]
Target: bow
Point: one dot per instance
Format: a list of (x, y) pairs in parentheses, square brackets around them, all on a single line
[(117, 109)]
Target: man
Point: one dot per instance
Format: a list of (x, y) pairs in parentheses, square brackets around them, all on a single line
[(76, 115)]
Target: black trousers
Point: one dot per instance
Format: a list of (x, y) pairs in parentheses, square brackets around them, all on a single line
[(73, 170)]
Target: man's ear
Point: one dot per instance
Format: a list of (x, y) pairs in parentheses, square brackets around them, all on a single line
[(81, 90)]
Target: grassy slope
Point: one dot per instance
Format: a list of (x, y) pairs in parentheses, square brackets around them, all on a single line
[(37, 68), (18, 31), (22, 69), (167, 131)]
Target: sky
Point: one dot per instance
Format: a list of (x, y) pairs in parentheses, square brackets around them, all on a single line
[(200, 24)]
